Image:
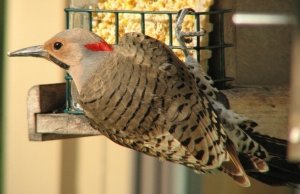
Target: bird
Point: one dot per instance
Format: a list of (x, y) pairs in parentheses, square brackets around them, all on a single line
[(140, 95)]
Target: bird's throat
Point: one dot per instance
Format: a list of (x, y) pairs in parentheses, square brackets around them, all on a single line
[(59, 63)]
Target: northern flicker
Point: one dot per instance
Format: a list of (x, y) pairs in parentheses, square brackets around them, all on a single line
[(141, 96)]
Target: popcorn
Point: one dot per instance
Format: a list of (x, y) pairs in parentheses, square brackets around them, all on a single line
[(156, 25)]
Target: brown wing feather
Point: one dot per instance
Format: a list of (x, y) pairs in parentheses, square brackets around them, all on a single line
[(147, 100), (234, 168), (190, 118)]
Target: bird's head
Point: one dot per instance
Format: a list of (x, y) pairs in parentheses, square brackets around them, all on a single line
[(76, 50)]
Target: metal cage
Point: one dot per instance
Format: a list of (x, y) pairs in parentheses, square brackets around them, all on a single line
[(219, 45)]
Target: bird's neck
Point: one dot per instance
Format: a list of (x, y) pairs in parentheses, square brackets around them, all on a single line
[(88, 67)]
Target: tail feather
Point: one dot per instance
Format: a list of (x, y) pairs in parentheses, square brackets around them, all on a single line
[(234, 168), (281, 172), (278, 175), (258, 164)]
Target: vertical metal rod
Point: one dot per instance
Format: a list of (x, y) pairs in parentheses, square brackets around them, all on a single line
[(116, 27), (68, 19), (90, 21), (68, 79), (221, 73), (197, 20), (170, 22), (143, 23), (67, 76)]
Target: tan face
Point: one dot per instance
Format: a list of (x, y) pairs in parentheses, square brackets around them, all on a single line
[(64, 51)]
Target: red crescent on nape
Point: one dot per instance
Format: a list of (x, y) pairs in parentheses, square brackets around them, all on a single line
[(99, 46)]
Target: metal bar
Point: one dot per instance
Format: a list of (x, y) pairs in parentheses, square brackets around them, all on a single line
[(143, 23), (205, 47), (147, 12), (68, 19), (170, 22), (222, 53), (68, 79), (90, 21), (116, 28), (219, 45), (197, 18)]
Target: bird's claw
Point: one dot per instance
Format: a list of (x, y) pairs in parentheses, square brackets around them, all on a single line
[(185, 37), (181, 35)]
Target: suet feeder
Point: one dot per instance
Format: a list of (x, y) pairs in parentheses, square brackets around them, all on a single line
[(86, 19), (48, 120)]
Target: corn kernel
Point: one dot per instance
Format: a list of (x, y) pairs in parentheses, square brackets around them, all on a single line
[(155, 25)]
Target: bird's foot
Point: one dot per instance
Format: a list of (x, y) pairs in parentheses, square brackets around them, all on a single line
[(181, 36)]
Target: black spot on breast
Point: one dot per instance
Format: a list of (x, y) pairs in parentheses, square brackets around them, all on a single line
[(169, 77), (162, 102), (251, 145), (193, 128), (172, 128), (217, 142), (174, 97), (253, 124), (249, 129), (180, 86), (186, 142), (203, 87), (209, 128), (198, 140), (210, 93), (201, 114), (199, 154), (244, 147), (242, 125), (210, 159), (180, 107), (187, 96), (184, 127), (170, 143)]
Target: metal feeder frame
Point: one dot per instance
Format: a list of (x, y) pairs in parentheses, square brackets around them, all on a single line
[(217, 72)]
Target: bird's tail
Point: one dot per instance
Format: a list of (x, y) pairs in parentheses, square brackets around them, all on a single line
[(281, 172)]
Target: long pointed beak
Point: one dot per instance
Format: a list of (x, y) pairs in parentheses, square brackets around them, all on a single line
[(34, 51)]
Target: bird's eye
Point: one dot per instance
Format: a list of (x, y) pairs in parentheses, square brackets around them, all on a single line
[(57, 45)]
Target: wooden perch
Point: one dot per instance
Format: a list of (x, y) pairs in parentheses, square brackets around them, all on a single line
[(43, 124), (266, 105)]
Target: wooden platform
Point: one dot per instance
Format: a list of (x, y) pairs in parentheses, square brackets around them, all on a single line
[(268, 106), (43, 124)]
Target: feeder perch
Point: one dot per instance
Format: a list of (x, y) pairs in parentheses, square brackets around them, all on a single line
[(266, 105)]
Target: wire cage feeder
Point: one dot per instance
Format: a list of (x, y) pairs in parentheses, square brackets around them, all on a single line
[(78, 17)]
